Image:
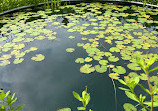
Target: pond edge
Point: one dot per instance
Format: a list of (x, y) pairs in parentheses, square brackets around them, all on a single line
[(29, 6)]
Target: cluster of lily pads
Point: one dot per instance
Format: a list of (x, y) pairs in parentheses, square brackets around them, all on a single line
[(111, 34)]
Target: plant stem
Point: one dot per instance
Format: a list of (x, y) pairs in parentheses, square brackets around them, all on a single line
[(139, 100), (150, 91)]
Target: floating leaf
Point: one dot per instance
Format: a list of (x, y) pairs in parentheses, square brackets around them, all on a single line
[(71, 37), (19, 46), (100, 69), (51, 37), (64, 109), (87, 69), (103, 62), (40, 37), (119, 70), (113, 59), (4, 62), (70, 50), (79, 60), (114, 49), (38, 57), (5, 57), (133, 66), (18, 60), (88, 59), (114, 76)]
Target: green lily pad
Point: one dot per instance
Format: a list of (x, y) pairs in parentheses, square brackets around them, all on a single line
[(40, 37), (103, 62), (119, 70), (114, 49), (114, 76), (19, 46), (51, 37), (87, 68), (79, 60), (64, 109), (107, 54), (38, 57), (5, 57), (133, 66), (4, 62), (80, 44), (70, 50), (19, 55), (100, 69), (18, 60), (113, 59), (71, 37)]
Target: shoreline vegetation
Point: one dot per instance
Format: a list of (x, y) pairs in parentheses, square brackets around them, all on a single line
[(11, 4)]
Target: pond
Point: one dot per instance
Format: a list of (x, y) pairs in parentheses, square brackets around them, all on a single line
[(47, 54)]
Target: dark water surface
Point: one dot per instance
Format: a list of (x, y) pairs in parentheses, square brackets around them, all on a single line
[(48, 85)]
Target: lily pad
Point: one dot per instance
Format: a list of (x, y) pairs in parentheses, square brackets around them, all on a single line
[(119, 70), (100, 69), (113, 59), (114, 76), (87, 68), (38, 57), (4, 62), (19, 46), (79, 60), (103, 62), (18, 60), (70, 50), (133, 66), (88, 59)]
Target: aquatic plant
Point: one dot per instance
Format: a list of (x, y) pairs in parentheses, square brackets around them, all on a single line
[(7, 100), (132, 81)]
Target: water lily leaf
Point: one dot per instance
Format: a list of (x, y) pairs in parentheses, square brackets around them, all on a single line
[(80, 44), (38, 57), (91, 50), (18, 39), (113, 59), (100, 69), (9, 44), (71, 37), (114, 49), (5, 57), (119, 70), (40, 37), (19, 46), (107, 54), (114, 76), (103, 62), (19, 55), (83, 38), (18, 60), (64, 109), (129, 107), (3, 39), (79, 60), (88, 59), (51, 37), (55, 23), (87, 68), (70, 50), (6, 49), (97, 57), (133, 66), (4, 62), (28, 40)]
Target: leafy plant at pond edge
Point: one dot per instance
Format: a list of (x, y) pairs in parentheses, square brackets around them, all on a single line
[(7, 101), (132, 82)]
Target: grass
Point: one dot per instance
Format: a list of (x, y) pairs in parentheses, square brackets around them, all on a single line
[(10, 4)]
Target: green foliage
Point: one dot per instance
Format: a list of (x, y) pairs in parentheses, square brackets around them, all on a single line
[(132, 81), (84, 99), (7, 101)]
